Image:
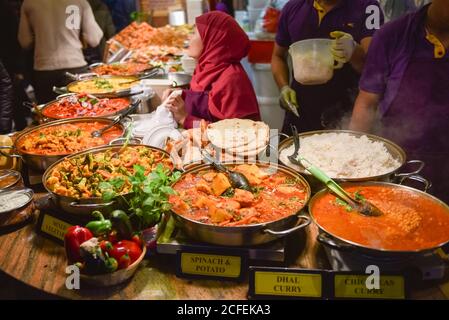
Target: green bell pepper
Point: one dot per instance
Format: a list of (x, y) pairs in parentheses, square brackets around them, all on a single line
[(100, 226)]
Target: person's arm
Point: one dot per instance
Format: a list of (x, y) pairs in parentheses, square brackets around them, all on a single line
[(25, 36), (91, 31), (365, 112), (279, 66), (359, 56), (109, 27)]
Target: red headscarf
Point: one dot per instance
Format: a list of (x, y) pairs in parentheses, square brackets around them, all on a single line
[(219, 71)]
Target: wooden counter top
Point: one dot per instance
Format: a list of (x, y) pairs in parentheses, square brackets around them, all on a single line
[(40, 263)]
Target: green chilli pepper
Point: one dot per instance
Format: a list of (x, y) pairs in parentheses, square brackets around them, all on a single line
[(111, 264)]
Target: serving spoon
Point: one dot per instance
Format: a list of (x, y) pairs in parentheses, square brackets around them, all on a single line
[(99, 133), (364, 207), (237, 179)]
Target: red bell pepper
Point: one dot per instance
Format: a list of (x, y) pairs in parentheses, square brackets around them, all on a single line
[(125, 251), (73, 239)]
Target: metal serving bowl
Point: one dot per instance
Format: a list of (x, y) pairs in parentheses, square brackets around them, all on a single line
[(44, 118), (110, 94), (249, 235), (327, 238), (392, 176), (84, 207), (42, 162)]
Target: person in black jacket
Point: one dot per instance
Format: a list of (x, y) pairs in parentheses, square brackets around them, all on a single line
[(6, 100), (18, 63)]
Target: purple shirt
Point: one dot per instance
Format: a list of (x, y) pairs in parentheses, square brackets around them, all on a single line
[(300, 21), (390, 52), (323, 105)]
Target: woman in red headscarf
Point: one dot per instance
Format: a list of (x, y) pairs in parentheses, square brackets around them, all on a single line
[(220, 87)]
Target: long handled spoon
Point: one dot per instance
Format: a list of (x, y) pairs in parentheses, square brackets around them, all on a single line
[(99, 133), (364, 207)]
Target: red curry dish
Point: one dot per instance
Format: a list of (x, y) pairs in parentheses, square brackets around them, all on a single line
[(207, 197), (83, 105), (121, 69), (67, 138), (410, 221)]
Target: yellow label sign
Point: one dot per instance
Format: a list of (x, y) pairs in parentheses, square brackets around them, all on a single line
[(210, 265), (288, 284), (354, 286), (55, 227)]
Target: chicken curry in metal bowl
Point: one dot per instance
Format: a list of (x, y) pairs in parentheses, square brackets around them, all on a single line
[(206, 196), (412, 221)]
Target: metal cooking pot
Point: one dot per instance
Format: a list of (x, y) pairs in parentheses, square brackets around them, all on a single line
[(332, 241), (84, 207), (249, 235), (147, 73), (42, 162), (44, 118), (393, 176), (111, 94)]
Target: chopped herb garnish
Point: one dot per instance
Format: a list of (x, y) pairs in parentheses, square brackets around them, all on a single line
[(342, 203), (103, 84), (229, 193), (358, 196)]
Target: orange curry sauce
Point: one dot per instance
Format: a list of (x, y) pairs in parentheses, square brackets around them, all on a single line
[(206, 197), (410, 221), (67, 138)]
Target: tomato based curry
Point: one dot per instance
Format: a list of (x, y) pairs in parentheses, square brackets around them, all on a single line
[(207, 196), (63, 139), (410, 221)]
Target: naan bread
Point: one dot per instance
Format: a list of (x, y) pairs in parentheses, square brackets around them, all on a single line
[(239, 135)]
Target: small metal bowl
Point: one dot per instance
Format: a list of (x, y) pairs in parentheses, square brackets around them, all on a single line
[(10, 179), (27, 192)]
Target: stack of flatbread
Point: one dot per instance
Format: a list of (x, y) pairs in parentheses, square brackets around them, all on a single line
[(231, 139), (238, 138)]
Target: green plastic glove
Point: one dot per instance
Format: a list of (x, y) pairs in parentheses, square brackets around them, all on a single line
[(342, 47), (288, 97)]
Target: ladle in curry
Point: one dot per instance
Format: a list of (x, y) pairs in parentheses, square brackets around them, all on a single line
[(237, 180), (364, 207), (99, 133)]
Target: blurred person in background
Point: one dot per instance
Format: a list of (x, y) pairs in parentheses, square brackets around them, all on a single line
[(323, 106), (121, 12), (220, 88), (51, 26), (6, 101), (104, 20), (406, 84), (14, 61)]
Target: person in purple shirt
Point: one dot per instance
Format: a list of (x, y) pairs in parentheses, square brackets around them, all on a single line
[(406, 85), (324, 105)]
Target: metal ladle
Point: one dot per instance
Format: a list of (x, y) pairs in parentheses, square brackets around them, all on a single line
[(99, 133), (364, 207), (237, 180)]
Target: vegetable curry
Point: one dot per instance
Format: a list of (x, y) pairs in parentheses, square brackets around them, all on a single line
[(83, 176), (66, 138), (83, 105), (207, 197), (410, 221)]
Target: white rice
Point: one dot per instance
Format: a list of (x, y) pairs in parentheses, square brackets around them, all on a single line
[(342, 155)]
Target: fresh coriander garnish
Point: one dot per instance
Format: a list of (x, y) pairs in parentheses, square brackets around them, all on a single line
[(342, 203)]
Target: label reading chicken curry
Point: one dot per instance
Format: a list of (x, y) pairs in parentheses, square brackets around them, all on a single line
[(355, 286), (54, 227), (305, 285), (210, 265)]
